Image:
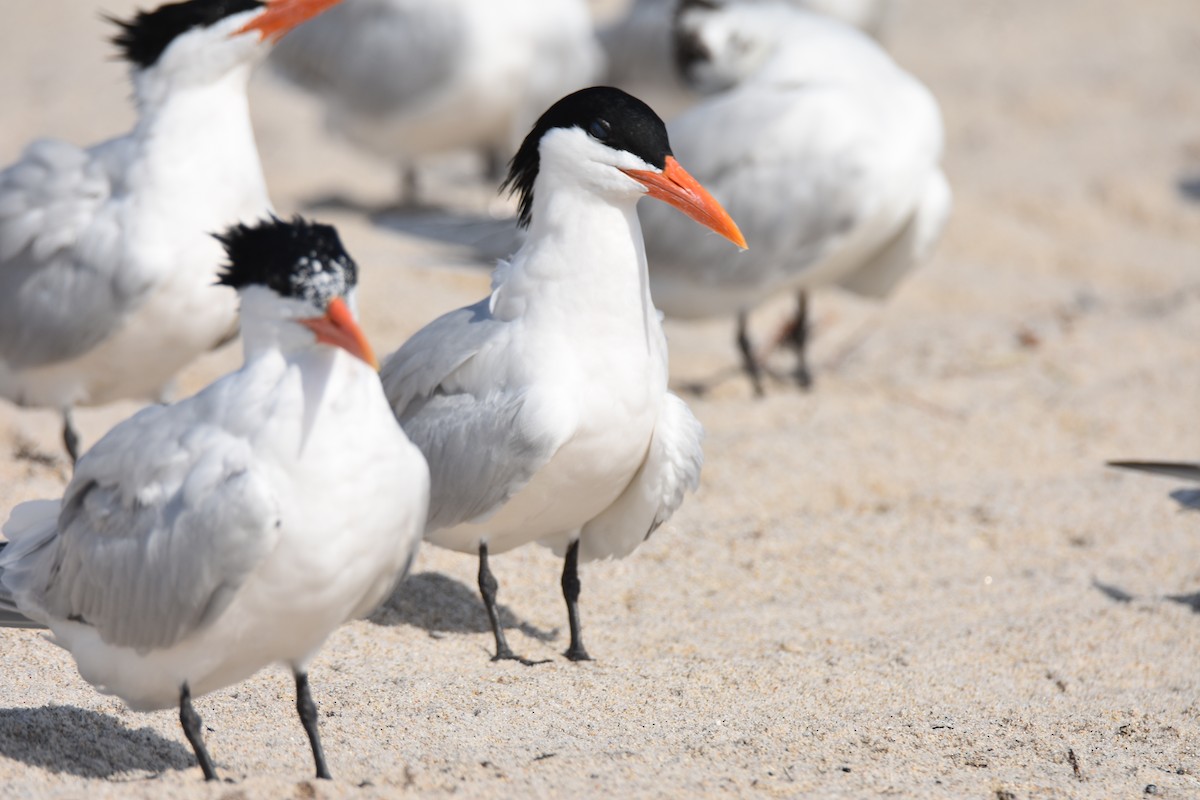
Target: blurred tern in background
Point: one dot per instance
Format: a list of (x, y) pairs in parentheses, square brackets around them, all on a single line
[(200, 542), (543, 409), (641, 54), (409, 78), (825, 151), (106, 262)]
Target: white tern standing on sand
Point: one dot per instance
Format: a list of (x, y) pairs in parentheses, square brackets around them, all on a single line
[(826, 152), (202, 541), (543, 409), (106, 262)]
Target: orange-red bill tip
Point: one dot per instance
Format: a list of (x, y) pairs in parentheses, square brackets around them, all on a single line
[(282, 16), (675, 186), (339, 329)]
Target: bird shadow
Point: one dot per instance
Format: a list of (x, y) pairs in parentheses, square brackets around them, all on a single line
[(87, 744), (1112, 592), (1192, 601), (1188, 499), (1189, 187), (440, 604), (486, 239)]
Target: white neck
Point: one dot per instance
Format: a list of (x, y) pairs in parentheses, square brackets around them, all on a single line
[(197, 141), (583, 263), (267, 327)]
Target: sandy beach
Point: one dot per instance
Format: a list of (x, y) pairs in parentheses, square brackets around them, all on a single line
[(918, 580)]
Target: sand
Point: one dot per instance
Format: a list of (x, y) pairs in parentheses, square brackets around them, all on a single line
[(918, 580)]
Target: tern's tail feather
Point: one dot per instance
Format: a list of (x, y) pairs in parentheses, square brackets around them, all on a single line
[(10, 617), (29, 527)]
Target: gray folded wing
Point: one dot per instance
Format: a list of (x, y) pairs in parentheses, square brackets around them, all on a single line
[(374, 56), (162, 523), (10, 615), (62, 289), (483, 441)]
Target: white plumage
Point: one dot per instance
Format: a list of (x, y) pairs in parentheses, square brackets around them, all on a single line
[(106, 257), (543, 409), (640, 49), (826, 152), (409, 78), (202, 541)]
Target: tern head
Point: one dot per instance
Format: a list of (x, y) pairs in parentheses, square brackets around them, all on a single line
[(613, 144), (718, 43), (296, 277), (200, 41)]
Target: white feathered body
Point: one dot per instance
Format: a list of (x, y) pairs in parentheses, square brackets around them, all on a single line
[(639, 45), (563, 387), (295, 467), (108, 252), (554, 327), (827, 154), (409, 78)]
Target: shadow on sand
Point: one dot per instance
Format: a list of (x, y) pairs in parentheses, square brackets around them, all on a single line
[(439, 604), (484, 239), (71, 740)]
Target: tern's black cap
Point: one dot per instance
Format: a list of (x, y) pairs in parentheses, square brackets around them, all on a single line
[(144, 38), (299, 259), (610, 116)]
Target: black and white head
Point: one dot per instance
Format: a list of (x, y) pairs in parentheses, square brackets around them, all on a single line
[(200, 41), (609, 142), (718, 43), (296, 279)]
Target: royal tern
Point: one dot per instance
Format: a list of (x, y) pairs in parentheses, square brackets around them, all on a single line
[(825, 150), (106, 265), (543, 409), (639, 45), (409, 78), (202, 541)]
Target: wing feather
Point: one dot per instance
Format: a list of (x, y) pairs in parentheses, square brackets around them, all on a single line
[(374, 57), (61, 289), (152, 542), (671, 470), (483, 441)]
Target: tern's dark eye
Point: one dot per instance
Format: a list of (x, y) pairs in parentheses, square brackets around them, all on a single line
[(600, 129)]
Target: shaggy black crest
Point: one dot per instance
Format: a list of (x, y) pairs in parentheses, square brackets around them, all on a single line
[(608, 115), (143, 39), (298, 259)]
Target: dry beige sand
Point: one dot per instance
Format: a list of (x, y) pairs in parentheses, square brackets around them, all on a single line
[(918, 580)]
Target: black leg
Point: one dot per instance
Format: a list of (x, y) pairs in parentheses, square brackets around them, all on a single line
[(192, 729), (798, 340), (487, 589), (570, 587), (70, 435), (749, 360), (308, 718)]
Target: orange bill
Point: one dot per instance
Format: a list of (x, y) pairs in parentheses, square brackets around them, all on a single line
[(675, 186), (283, 15), (339, 329)]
